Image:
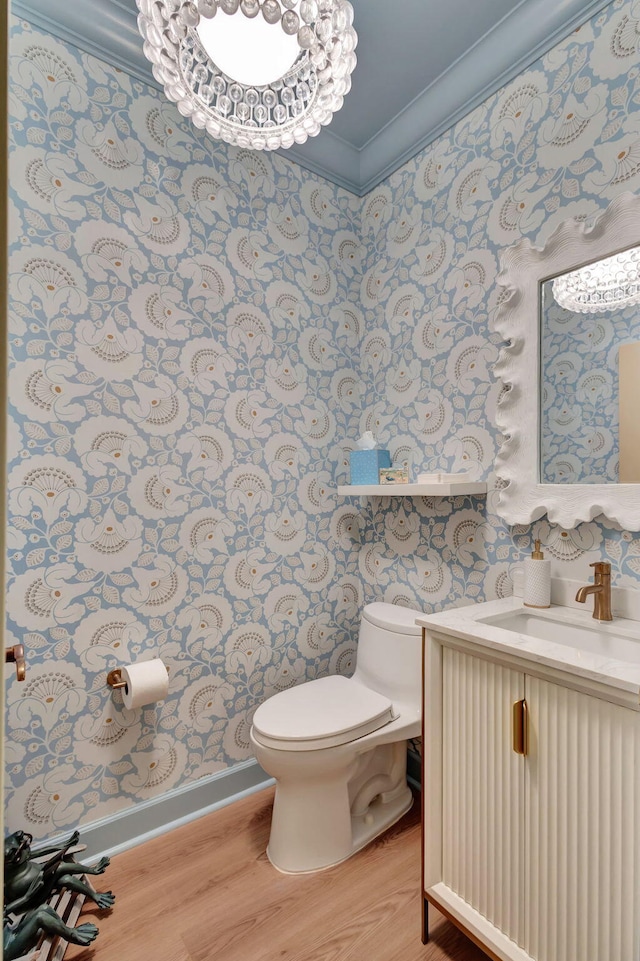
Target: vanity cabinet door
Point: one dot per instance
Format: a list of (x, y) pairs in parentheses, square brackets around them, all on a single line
[(535, 855), (483, 840), (582, 860)]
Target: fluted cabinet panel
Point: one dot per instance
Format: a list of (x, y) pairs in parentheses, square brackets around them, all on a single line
[(582, 784), (483, 782)]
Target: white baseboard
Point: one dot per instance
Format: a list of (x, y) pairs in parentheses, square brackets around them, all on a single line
[(150, 819)]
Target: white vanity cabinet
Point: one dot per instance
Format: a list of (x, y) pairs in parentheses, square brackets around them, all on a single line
[(534, 855)]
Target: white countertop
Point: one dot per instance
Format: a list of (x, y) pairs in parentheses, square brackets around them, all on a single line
[(463, 622)]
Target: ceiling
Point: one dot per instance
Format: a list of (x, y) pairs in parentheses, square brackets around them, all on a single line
[(422, 65)]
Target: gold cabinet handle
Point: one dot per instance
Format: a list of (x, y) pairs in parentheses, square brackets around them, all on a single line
[(15, 655), (520, 727)]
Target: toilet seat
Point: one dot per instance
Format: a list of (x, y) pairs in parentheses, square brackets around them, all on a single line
[(320, 714)]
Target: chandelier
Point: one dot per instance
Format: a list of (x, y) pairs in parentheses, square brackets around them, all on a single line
[(608, 284), (257, 73)]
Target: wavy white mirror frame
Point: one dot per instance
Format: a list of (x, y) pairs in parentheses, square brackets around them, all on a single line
[(523, 268)]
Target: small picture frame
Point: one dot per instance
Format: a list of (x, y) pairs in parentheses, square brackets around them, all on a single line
[(393, 475)]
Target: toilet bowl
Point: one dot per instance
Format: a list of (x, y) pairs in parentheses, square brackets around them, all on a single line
[(337, 747)]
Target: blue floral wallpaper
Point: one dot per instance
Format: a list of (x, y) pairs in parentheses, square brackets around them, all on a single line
[(199, 334), (580, 416)]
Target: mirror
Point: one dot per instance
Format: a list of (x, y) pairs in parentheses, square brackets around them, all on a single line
[(590, 373), (561, 452)]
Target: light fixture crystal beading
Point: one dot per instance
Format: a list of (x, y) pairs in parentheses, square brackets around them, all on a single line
[(261, 117), (609, 284)]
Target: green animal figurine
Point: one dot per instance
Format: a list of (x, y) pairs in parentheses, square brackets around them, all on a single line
[(22, 935), (21, 873)]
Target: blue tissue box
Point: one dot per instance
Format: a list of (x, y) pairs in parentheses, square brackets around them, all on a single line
[(365, 465)]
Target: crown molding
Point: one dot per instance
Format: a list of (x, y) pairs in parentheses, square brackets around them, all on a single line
[(108, 30), (497, 58), (330, 157)]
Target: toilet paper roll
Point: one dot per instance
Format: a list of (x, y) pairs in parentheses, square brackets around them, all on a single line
[(145, 682)]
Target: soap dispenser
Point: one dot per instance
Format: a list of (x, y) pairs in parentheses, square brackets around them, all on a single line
[(537, 579)]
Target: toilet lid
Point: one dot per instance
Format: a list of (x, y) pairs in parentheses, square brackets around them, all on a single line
[(322, 713), (392, 617)]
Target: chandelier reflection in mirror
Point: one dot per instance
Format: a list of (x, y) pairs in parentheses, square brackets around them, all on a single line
[(262, 74), (605, 285)]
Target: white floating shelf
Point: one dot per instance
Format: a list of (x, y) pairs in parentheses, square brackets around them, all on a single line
[(435, 489)]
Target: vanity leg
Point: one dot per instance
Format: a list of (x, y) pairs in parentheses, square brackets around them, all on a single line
[(425, 921)]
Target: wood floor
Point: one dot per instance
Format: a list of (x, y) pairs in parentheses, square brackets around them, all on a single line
[(206, 892)]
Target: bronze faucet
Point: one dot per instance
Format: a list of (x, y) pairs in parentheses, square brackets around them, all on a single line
[(601, 590)]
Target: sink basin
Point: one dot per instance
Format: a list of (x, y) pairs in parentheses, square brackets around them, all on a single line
[(565, 626)]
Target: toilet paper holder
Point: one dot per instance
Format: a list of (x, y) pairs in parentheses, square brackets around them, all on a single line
[(114, 678)]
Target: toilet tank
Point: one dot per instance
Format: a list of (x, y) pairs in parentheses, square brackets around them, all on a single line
[(389, 657)]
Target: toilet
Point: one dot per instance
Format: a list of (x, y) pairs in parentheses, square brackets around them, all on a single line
[(337, 747)]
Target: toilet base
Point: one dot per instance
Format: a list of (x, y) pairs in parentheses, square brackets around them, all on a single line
[(319, 821), (383, 816)]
